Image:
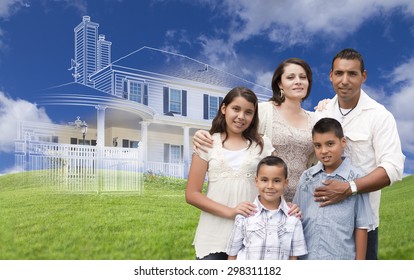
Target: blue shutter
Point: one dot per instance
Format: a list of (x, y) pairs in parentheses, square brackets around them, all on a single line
[(166, 152), (166, 100), (145, 94), (220, 101), (184, 102), (125, 89), (205, 107)]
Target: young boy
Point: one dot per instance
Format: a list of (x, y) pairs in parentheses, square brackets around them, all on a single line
[(337, 231), (271, 234)]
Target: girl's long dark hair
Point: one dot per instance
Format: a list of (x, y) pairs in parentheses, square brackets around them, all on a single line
[(251, 133)]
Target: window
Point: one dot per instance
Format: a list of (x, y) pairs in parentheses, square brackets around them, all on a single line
[(126, 143), (87, 142), (136, 91), (211, 106), (175, 154), (133, 144), (175, 101)]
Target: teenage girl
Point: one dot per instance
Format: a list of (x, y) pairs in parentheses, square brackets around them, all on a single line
[(231, 165)]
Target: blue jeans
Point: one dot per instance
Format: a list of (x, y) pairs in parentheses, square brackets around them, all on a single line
[(372, 245)]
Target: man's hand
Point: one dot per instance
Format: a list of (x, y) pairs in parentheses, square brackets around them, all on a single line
[(332, 192)]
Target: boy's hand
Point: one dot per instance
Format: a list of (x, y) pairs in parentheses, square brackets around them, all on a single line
[(332, 192)]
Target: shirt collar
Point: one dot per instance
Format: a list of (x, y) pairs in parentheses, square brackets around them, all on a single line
[(283, 206), (364, 102), (343, 170)]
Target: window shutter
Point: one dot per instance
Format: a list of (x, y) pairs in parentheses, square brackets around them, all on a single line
[(205, 107), (73, 141), (220, 100), (166, 152), (182, 153), (125, 88), (166, 100), (184, 102), (145, 94)]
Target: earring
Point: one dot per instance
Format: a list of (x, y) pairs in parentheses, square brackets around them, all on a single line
[(282, 93)]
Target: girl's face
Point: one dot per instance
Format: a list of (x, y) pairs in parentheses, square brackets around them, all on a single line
[(294, 82), (238, 115)]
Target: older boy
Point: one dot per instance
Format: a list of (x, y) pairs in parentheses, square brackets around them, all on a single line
[(271, 234), (337, 231)]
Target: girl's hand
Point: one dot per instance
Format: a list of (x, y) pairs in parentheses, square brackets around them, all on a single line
[(245, 208), (294, 210), (202, 140)]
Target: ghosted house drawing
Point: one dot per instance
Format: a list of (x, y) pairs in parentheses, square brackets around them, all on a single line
[(150, 98)]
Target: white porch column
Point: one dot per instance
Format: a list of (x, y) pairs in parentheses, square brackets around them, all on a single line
[(100, 126), (186, 154), (144, 140)]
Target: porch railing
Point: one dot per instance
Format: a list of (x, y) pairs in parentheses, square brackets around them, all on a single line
[(90, 169), (83, 168)]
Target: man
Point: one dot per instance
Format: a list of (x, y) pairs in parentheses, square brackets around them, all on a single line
[(373, 142)]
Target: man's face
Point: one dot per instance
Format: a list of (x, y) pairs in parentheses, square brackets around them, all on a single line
[(347, 78)]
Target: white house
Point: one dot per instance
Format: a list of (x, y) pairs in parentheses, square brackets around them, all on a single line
[(149, 98)]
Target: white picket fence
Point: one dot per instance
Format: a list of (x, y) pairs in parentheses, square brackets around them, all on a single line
[(83, 168)]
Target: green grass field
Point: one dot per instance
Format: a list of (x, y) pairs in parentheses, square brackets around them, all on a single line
[(37, 223)]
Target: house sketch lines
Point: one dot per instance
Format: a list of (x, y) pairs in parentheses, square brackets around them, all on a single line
[(147, 104)]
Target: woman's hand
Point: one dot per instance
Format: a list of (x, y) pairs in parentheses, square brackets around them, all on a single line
[(202, 141)]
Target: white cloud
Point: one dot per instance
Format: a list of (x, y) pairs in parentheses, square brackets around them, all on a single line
[(297, 19), (12, 112), (401, 102), (8, 7), (292, 23)]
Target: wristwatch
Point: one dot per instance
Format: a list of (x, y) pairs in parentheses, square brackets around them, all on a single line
[(353, 187)]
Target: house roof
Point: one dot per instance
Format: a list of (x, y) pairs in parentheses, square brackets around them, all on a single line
[(183, 67)]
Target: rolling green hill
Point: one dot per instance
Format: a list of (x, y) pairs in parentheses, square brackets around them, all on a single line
[(37, 223)]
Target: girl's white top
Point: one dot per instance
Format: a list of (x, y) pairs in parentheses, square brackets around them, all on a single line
[(227, 186)]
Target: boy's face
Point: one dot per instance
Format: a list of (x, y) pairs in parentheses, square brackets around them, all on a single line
[(328, 149), (271, 183)]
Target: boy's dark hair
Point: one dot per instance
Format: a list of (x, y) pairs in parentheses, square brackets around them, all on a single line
[(273, 161), (325, 125), (251, 133), (349, 54)]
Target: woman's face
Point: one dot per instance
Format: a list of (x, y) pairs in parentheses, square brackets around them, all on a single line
[(294, 82)]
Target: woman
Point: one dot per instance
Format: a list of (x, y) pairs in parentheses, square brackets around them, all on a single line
[(284, 121)]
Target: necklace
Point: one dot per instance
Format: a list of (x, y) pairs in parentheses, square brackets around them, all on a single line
[(347, 113)]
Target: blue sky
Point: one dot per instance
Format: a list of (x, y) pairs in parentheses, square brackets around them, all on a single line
[(246, 38)]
